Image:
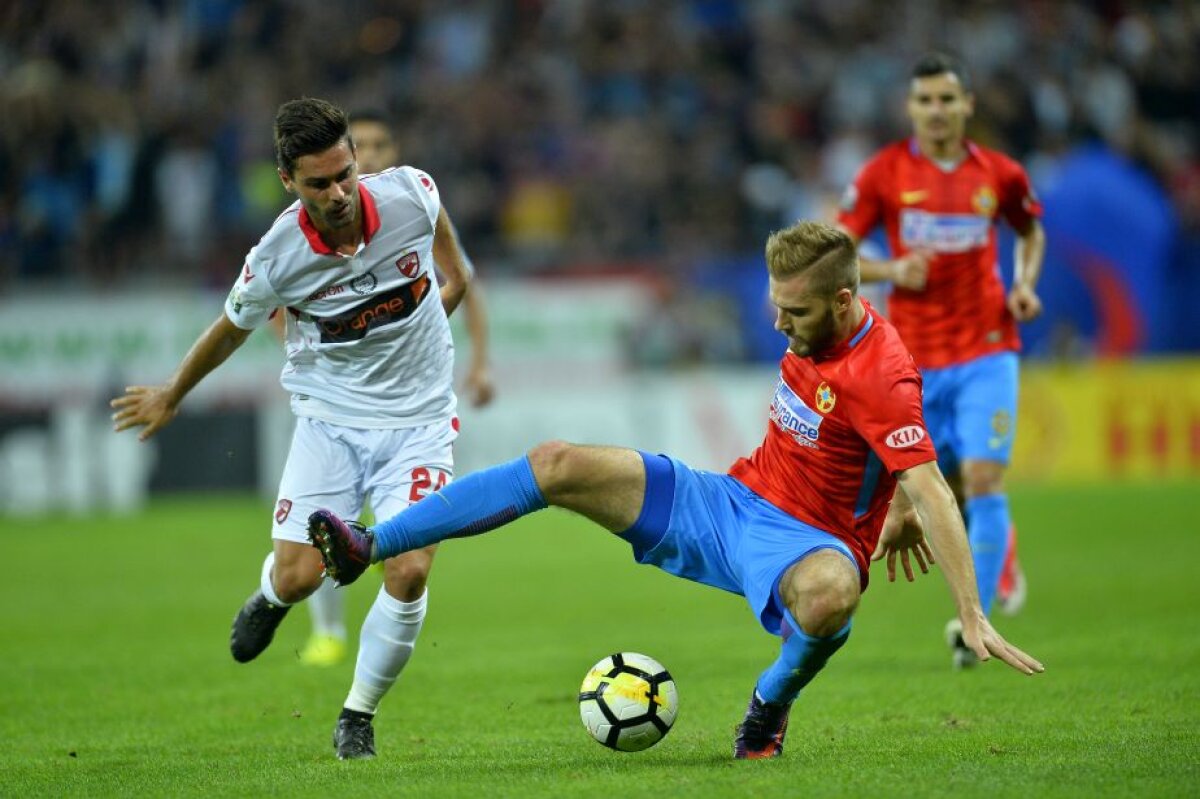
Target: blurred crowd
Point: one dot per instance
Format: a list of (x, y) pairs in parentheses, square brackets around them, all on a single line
[(136, 143)]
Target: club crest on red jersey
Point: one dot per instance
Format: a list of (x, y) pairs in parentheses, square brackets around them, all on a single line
[(984, 201), (826, 399)]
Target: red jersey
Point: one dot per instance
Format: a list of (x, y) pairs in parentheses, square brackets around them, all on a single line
[(841, 425), (961, 314)]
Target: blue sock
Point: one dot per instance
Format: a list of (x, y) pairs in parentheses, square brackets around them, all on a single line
[(475, 504), (801, 657), (987, 528)]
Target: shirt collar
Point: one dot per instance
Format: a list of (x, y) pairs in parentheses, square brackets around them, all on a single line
[(370, 223), (972, 149)]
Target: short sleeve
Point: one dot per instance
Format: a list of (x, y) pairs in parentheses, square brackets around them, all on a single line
[(425, 191), (252, 299), (1018, 203), (890, 420), (860, 209)]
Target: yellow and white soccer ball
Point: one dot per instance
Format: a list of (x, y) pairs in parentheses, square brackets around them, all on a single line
[(628, 701)]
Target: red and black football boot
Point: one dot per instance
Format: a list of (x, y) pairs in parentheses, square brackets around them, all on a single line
[(345, 546), (760, 734)]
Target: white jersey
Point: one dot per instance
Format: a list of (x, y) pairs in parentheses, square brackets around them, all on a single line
[(368, 343)]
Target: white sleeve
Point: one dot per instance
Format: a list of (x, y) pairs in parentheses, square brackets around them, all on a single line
[(424, 190), (252, 300)]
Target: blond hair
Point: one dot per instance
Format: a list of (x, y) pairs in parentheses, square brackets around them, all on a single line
[(821, 251)]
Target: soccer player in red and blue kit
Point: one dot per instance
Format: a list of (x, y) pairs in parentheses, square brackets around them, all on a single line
[(938, 196), (792, 528)]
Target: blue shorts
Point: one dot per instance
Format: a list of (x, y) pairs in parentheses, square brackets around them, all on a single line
[(711, 529), (971, 409)]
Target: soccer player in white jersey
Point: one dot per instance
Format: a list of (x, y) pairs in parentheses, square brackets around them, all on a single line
[(375, 149), (369, 368)]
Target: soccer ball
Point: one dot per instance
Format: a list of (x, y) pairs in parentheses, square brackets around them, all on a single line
[(628, 701)]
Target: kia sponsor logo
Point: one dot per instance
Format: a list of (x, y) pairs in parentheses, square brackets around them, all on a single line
[(905, 436)]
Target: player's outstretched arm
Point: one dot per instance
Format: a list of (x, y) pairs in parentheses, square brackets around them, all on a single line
[(480, 387), (451, 262), (934, 503), (152, 407)]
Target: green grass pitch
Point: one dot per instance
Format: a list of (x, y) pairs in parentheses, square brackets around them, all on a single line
[(118, 680)]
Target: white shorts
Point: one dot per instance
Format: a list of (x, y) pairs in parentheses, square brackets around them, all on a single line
[(339, 468)]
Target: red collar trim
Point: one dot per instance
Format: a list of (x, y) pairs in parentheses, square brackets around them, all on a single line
[(370, 216), (971, 148), (370, 213)]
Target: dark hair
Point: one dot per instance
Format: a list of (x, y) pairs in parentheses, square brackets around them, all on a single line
[(820, 250), (939, 63), (304, 127)]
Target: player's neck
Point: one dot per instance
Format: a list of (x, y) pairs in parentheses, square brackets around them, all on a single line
[(943, 150), (853, 319), (345, 240)]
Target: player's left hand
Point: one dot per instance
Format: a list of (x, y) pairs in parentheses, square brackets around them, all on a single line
[(985, 642), (903, 534), (148, 407), (1024, 303), (480, 386)]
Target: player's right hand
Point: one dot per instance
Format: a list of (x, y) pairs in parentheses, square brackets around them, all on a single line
[(903, 533), (148, 407), (985, 642), (480, 386), (911, 270)]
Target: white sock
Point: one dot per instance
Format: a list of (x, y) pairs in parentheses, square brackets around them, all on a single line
[(384, 647), (268, 589), (326, 606)]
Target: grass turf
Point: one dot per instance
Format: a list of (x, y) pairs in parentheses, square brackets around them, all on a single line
[(117, 677)]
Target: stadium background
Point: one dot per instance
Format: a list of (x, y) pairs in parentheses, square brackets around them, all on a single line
[(613, 169)]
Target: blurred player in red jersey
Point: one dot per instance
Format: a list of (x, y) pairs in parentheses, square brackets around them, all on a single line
[(792, 528), (938, 196), (375, 150)]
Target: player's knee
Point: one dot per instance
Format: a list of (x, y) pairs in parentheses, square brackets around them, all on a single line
[(823, 612), (405, 576), (822, 593), (554, 464)]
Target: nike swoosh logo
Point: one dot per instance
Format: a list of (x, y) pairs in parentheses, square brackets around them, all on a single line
[(246, 276), (915, 196)]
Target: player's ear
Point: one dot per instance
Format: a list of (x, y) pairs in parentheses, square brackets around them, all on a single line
[(842, 299), (286, 180)]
